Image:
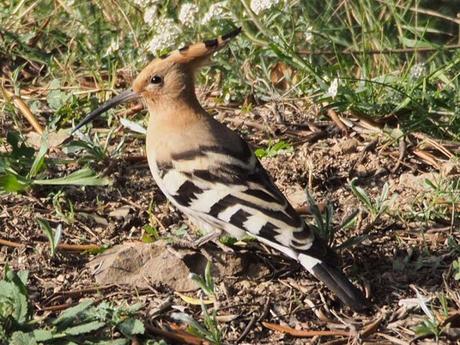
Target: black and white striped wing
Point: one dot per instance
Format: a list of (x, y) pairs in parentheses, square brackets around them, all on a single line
[(232, 189)]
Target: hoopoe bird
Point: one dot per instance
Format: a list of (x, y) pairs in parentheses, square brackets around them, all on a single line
[(211, 174)]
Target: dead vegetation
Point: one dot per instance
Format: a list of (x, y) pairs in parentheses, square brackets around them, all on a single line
[(401, 257)]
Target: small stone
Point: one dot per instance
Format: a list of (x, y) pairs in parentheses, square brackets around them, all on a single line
[(417, 182), (346, 146), (121, 212)]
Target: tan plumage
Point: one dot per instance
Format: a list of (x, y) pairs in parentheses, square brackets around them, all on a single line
[(208, 172)]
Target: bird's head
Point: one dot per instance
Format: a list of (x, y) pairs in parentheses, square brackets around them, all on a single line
[(167, 77)]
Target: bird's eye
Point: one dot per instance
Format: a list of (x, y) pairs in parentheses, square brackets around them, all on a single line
[(156, 79)]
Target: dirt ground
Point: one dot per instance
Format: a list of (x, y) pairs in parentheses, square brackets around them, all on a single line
[(404, 254)]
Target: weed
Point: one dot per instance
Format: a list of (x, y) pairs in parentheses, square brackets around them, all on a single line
[(85, 322), (54, 236), (210, 329), (150, 234), (456, 267), (67, 216), (323, 221), (433, 325), (21, 168), (377, 207), (323, 224), (274, 149)]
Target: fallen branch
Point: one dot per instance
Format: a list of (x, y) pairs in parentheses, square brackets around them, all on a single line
[(24, 109), (427, 158), (66, 247), (334, 117), (247, 329)]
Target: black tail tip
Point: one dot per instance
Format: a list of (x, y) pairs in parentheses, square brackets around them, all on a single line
[(341, 286), (231, 34)]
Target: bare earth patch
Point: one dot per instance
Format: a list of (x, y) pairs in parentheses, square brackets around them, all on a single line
[(402, 255)]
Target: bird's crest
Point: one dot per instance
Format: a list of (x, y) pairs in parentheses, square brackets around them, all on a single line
[(199, 51)]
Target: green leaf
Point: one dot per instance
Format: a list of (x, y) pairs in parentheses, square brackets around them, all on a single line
[(361, 195), (10, 183), (82, 177), (42, 335), (151, 234), (208, 277), (19, 279), (14, 303), (260, 153), (411, 43), (84, 328), (196, 328), (131, 326), (39, 160), (56, 98), (70, 314), (53, 236), (21, 338)]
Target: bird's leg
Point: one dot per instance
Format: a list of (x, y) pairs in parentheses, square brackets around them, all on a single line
[(212, 236)]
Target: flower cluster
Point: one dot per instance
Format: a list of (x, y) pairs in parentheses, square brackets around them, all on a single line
[(144, 3), (258, 6), (216, 11), (417, 71), (309, 34), (150, 14), (332, 90), (187, 14), (167, 37)]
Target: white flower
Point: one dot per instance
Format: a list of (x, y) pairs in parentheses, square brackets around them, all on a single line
[(309, 34), (142, 3), (417, 71), (216, 11), (258, 6), (187, 14), (150, 14), (332, 91), (114, 46), (166, 37)]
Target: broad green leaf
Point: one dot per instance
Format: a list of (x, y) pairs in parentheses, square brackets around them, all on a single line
[(131, 326), (42, 335), (131, 309), (19, 279), (82, 177), (11, 296), (56, 98), (70, 314), (84, 328), (10, 183), (260, 153), (21, 338)]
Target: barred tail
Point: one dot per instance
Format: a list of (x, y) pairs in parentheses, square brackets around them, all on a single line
[(335, 280)]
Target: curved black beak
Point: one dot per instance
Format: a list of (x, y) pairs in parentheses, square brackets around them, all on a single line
[(125, 96)]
